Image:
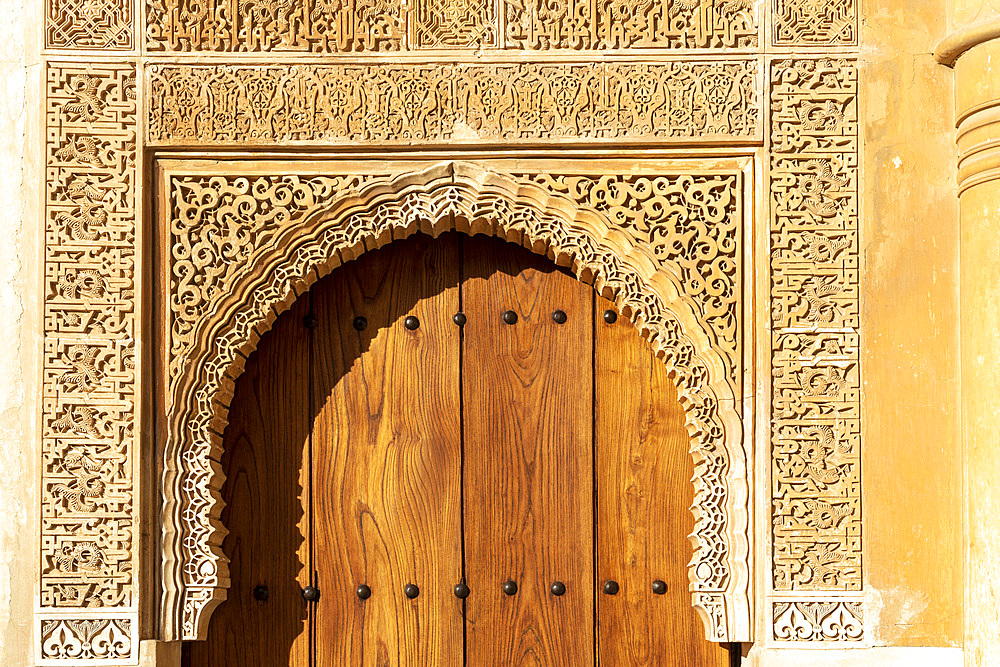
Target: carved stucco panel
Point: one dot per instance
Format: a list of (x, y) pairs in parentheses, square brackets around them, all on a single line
[(89, 515), (211, 336), (454, 102), (815, 313), (344, 26), (89, 559)]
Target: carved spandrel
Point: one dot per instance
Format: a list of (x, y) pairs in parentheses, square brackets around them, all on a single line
[(690, 221)]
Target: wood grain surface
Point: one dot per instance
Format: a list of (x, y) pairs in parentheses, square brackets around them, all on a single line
[(528, 436), (644, 494), (380, 455), (266, 493), (387, 458)]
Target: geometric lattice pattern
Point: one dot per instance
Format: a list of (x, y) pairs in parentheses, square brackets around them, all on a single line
[(88, 24), (814, 22)]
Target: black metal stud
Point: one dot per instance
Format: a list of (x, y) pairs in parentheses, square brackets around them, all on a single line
[(310, 593), (559, 317), (364, 592), (360, 322), (610, 316), (260, 593), (510, 317), (659, 586), (459, 319), (557, 588), (509, 587), (309, 321), (461, 591), (411, 591), (611, 587), (411, 322)]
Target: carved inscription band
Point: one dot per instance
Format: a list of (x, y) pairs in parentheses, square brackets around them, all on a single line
[(326, 26), (815, 311), (470, 103)]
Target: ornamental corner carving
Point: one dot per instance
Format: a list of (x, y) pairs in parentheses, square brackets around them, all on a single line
[(819, 621), (89, 24), (814, 22)]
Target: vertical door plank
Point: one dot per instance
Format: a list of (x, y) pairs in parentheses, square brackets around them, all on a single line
[(527, 419), (644, 495), (266, 493), (387, 446)]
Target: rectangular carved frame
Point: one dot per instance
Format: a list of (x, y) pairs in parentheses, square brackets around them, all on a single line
[(97, 593)]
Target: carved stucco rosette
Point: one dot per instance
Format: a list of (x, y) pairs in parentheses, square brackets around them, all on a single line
[(464, 197)]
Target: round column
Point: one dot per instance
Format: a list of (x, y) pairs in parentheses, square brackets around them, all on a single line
[(975, 54)]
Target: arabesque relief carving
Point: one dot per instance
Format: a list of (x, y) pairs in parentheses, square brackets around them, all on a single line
[(320, 222), (408, 104), (89, 514), (818, 621), (90, 641), (88, 521), (816, 421), (478, 73), (692, 222), (333, 26)]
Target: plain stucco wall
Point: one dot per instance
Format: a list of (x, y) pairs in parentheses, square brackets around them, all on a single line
[(19, 319)]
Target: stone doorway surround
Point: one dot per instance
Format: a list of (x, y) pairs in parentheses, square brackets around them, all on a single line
[(203, 167)]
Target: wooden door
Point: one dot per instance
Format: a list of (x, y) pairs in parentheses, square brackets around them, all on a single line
[(472, 459)]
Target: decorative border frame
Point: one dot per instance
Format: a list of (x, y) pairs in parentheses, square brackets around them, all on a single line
[(97, 64), (274, 270)]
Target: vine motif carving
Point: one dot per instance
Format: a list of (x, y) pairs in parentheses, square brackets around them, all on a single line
[(370, 213), (816, 425), (87, 640), (834, 621), (89, 24), (814, 22), (88, 513), (691, 221), (345, 26), (474, 102)]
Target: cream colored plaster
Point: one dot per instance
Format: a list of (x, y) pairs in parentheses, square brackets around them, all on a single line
[(19, 277), (966, 13), (911, 458), (883, 657)]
